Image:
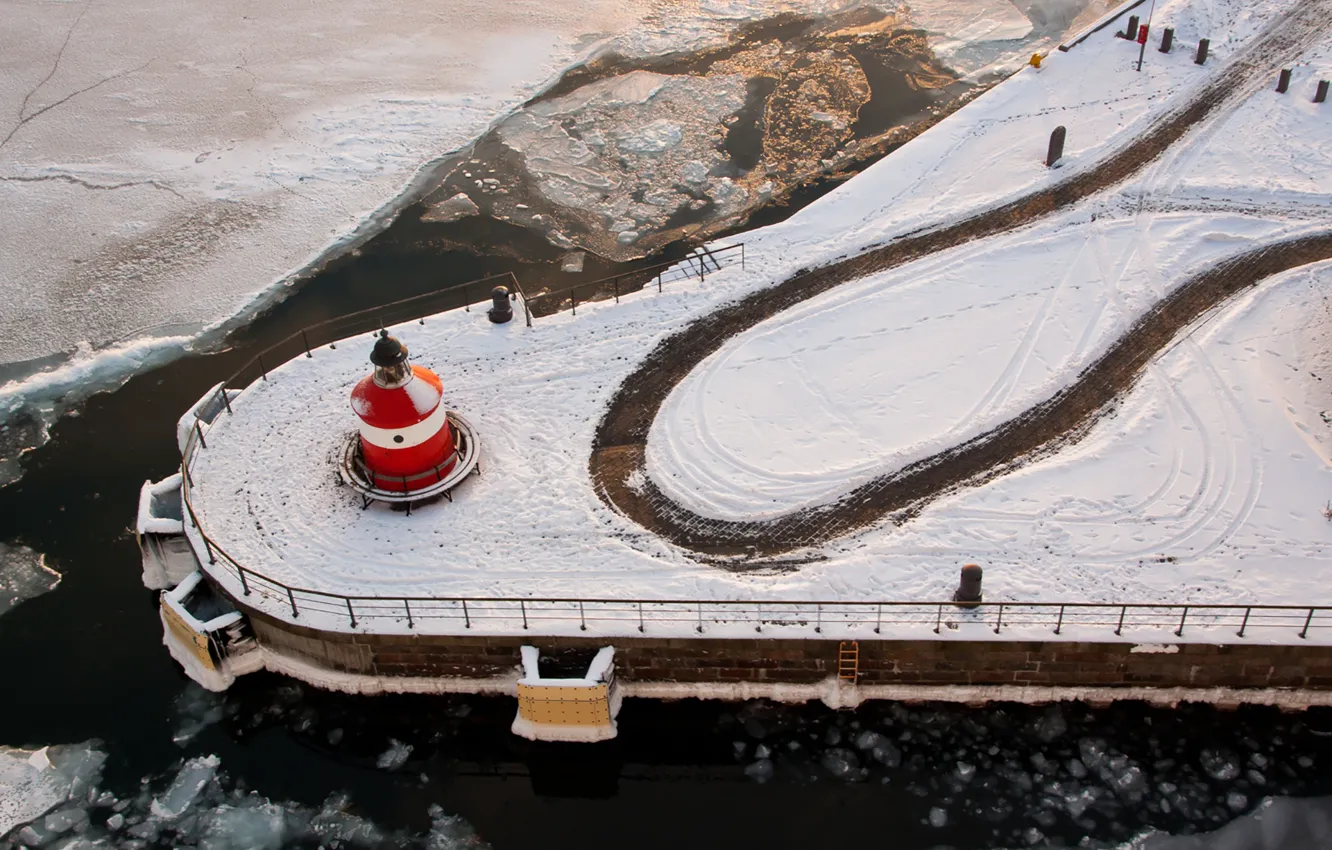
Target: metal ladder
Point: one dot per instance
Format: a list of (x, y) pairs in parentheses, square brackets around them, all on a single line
[(848, 661)]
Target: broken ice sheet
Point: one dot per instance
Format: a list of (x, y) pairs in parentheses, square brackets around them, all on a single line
[(23, 575)]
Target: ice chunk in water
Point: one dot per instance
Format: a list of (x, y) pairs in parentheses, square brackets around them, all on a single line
[(841, 763), (189, 782), (760, 770), (938, 817), (869, 740), (256, 824), (395, 756), (450, 832), (1222, 765), (198, 708), (23, 575), (1051, 725)]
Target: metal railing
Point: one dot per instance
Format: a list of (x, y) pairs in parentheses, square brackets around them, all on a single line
[(776, 618), (698, 264)]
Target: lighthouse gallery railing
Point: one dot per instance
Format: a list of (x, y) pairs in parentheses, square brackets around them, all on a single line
[(776, 618)]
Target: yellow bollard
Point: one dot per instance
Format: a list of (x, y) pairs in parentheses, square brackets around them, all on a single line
[(1035, 60)]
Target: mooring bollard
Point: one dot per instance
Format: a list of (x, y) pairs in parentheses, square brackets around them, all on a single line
[(1321, 94), (1202, 52), (1167, 39), (500, 311), (1056, 146), (1131, 31), (968, 593), (1283, 81)]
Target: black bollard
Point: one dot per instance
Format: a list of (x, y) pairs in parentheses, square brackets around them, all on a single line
[(968, 593), (500, 311), (1321, 94), (1283, 81), (1056, 146), (1202, 52), (1167, 39), (1132, 31)]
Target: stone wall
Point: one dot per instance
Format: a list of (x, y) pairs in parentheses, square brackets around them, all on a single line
[(927, 662)]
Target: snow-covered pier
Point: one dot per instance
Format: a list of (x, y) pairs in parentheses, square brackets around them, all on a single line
[(1167, 542)]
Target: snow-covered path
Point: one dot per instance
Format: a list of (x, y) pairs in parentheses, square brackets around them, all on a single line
[(875, 389)]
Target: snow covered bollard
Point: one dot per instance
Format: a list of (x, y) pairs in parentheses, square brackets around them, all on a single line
[(1056, 149), (500, 310), (1201, 56), (1321, 94), (968, 593), (1283, 81)]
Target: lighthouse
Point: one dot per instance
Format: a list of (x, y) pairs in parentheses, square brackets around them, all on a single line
[(407, 441)]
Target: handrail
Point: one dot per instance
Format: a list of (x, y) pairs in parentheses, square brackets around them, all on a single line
[(932, 616), (698, 263)]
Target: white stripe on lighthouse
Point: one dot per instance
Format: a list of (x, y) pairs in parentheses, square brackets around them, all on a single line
[(412, 435)]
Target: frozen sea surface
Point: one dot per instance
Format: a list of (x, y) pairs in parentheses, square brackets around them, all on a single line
[(23, 575)]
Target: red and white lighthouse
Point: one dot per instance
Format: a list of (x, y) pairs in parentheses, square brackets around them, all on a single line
[(407, 439)]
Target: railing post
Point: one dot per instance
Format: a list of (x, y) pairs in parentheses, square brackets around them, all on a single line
[(742, 256), (467, 618), (573, 298), (261, 367), (1304, 632), (305, 340), (198, 429), (1245, 624), (582, 617), (700, 616), (658, 283), (938, 620), (878, 618), (522, 606), (467, 299), (758, 609), (999, 624), (407, 604), (1180, 631), (212, 559), (1059, 625), (245, 586), (818, 622), (226, 399), (616, 284), (292, 599), (641, 629), (350, 612), (1123, 609)]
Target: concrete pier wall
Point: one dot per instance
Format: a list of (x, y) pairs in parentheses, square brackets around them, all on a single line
[(924, 662)]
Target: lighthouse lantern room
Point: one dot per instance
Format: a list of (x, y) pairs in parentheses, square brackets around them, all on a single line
[(409, 446)]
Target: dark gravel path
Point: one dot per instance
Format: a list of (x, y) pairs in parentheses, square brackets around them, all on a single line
[(618, 450)]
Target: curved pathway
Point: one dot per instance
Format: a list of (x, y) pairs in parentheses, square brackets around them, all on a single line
[(618, 449)]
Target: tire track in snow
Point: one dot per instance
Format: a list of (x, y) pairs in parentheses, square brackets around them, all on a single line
[(620, 443)]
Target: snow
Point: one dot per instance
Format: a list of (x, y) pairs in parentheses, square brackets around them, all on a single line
[(1206, 486), (23, 575), (160, 508), (598, 670)]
